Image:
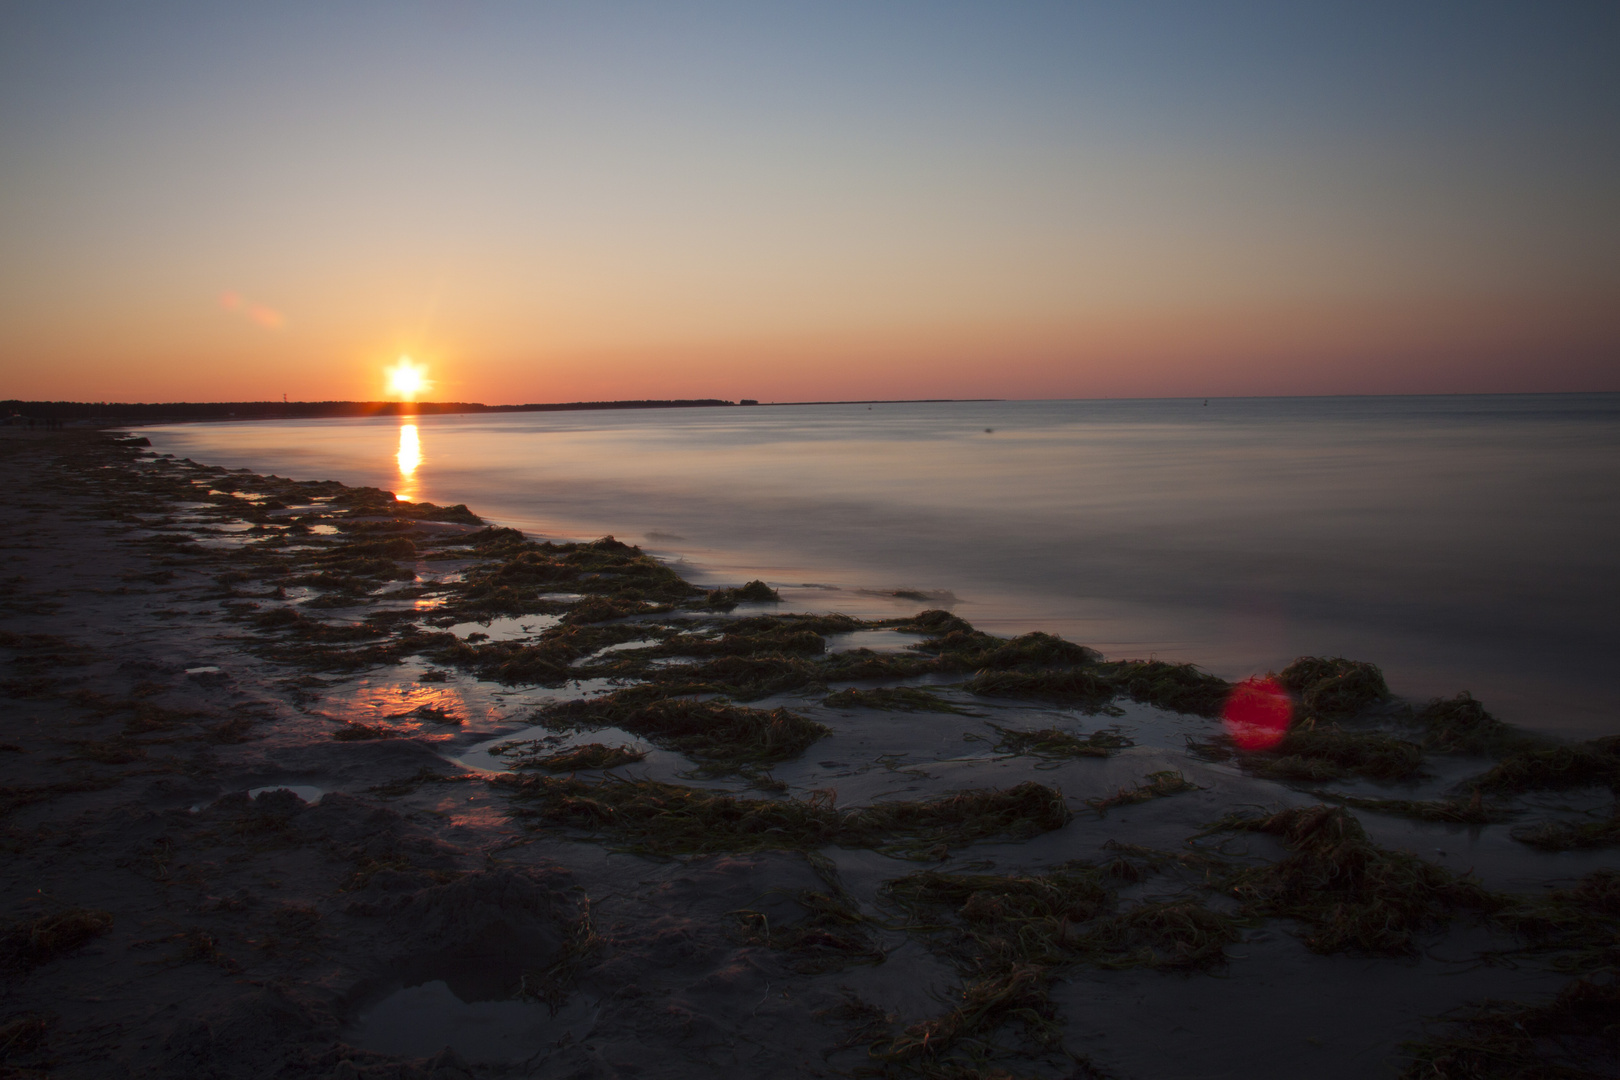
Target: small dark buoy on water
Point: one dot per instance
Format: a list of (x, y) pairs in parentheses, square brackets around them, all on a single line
[(1206, 401)]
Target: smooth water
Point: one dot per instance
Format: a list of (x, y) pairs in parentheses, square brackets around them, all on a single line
[(1459, 542)]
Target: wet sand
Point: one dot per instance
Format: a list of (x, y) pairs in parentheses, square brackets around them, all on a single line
[(255, 826)]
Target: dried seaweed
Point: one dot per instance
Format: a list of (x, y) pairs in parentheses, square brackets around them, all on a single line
[(1159, 784)]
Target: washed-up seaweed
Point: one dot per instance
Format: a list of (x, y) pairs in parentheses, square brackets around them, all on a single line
[(1350, 894), (643, 815)]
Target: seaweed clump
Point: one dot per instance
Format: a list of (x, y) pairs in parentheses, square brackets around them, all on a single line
[(605, 568), (357, 732), (1081, 688), (832, 935), (755, 592), (893, 699), (1474, 811), (586, 756), (1334, 688), (1053, 744), (1557, 768), (1350, 893), (1158, 785), (1065, 915), (1091, 686), (745, 678), (1579, 927), (1177, 687), (646, 816), (1574, 1036), (1572, 836), (1460, 725), (1008, 934), (715, 730), (1314, 753), (30, 944)]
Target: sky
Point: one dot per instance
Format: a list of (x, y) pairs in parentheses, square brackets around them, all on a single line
[(542, 201)]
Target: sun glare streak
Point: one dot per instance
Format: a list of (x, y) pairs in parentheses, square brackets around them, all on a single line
[(409, 457), (406, 379), (410, 451)]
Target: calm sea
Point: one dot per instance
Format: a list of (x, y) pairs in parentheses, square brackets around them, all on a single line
[(1460, 542)]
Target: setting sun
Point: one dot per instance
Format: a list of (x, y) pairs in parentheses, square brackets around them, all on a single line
[(406, 379)]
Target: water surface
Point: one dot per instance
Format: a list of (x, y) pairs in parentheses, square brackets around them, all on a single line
[(1460, 542)]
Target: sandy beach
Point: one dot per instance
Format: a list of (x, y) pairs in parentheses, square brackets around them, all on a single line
[(304, 781)]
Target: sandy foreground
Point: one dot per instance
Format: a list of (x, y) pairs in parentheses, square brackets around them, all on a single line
[(302, 782)]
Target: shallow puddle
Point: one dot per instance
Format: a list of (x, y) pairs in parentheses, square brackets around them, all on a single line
[(478, 755), (417, 1021), (623, 646), (307, 792), (880, 641), (508, 629)]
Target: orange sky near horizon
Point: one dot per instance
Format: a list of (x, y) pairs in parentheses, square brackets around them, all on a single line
[(1423, 348), (616, 201)]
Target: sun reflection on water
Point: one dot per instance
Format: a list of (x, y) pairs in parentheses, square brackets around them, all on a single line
[(409, 457)]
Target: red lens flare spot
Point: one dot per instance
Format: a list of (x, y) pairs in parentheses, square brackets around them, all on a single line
[(1257, 713)]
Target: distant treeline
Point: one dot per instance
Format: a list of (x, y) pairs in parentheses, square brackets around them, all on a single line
[(158, 412)]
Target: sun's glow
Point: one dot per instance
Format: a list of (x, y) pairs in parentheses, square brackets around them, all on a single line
[(406, 379)]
